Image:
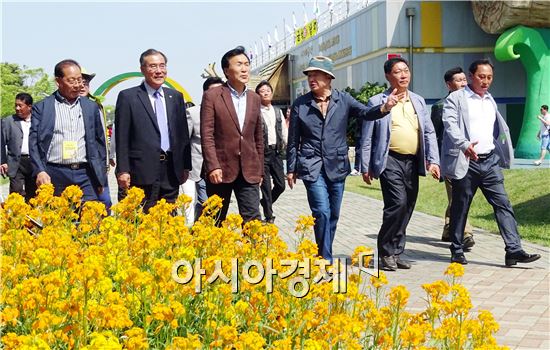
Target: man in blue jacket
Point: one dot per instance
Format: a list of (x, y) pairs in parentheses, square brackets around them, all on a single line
[(397, 149), (66, 139), (317, 150)]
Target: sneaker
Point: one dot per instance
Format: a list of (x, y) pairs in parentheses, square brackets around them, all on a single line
[(354, 172), (537, 162)]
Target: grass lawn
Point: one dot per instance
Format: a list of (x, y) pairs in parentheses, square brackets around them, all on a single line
[(528, 190)]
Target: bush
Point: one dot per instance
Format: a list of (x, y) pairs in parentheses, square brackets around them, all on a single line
[(77, 279), (367, 91)]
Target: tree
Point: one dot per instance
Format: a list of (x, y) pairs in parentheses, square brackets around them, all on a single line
[(367, 91), (15, 79)]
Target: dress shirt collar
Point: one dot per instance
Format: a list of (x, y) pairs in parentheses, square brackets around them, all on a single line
[(471, 93), (151, 91), (267, 108), (235, 92), (62, 99)]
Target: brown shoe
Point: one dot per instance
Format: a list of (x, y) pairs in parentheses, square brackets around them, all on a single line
[(402, 264), (388, 263)]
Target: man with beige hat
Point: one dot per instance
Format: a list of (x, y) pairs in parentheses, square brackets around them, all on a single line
[(317, 150)]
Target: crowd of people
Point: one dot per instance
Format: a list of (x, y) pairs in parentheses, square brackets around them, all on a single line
[(233, 142)]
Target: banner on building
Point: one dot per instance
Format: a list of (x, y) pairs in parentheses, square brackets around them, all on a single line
[(304, 33)]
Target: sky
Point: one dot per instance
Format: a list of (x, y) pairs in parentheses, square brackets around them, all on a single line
[(107, 38)]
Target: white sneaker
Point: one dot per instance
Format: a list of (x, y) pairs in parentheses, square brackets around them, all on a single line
[(355, 173), (537, 162)]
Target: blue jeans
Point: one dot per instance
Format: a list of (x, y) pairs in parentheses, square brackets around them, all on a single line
[(325, 199), (200, 188)]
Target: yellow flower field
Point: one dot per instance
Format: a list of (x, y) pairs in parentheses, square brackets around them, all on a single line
[(75, 279)]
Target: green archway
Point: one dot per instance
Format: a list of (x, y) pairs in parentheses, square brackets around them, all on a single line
[(114, 81)]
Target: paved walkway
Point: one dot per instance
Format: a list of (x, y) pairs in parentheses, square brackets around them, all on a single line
[(518, 297)]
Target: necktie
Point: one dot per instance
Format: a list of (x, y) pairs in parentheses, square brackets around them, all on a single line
[(162, 121)]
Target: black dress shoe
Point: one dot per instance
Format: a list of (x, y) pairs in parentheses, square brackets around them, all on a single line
[(521, 257), (388, 263), (459, 258), (271, 220), (402, 264)]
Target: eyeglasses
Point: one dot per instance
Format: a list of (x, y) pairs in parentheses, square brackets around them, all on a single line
[(73, 81), (154, 67)]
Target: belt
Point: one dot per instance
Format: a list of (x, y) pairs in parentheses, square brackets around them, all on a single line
[(164, 156), (274, 147), (402, 156), (72, 166), (484, 155), (25, 156)]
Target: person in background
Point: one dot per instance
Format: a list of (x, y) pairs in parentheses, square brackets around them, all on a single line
[(16, 161), (455, 79), (476, 143), (196, 187), (105, 196), (543, 134), (274, 144)]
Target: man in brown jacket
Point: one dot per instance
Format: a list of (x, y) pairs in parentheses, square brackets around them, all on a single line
[(232, 138)]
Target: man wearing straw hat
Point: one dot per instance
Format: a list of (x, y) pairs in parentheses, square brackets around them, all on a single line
[(317, 150)]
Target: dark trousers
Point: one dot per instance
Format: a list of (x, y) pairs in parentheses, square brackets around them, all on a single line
[(399, 182), (486, 175), (166, 185), (273, 169), (248, 198), (63, 176), (23, 182)]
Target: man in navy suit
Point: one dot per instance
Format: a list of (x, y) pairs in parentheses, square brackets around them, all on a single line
[(317, 150), (152, 139), (66, 140)]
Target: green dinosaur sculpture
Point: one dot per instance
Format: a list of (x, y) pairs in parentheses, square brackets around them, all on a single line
[(532, 47)]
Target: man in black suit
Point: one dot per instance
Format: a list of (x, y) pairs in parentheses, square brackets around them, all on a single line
[(152, 139), (66, 140), (16, 162)]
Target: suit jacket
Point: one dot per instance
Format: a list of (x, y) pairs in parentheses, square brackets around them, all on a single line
[(375, 141), (194, 125), (137, 135), (42, 127), (315, 142), (224, 145), (456, 138), (12, 139)]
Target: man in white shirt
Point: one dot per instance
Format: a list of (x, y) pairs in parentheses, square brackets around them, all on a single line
[(274, 143), (16, 162), (476, 144)]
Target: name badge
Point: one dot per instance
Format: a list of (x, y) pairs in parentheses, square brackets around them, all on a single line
[(69, 150)]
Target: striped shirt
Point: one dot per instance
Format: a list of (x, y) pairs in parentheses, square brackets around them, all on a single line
[(69, 127)]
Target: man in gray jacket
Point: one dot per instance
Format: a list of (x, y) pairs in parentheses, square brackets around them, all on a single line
[(397, 149), (476, 143)]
